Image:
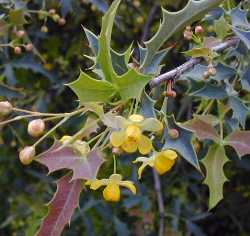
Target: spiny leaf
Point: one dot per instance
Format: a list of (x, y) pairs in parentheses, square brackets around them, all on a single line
[(221, 27), (215, 178), (182, 144), (240, 141), (241, 25), (61, 207), (240, 110), (202, 129), (83, 167), (147, 105), (88, 89), (175, 21)]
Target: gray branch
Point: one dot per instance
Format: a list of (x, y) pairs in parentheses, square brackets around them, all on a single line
[(189, 64)]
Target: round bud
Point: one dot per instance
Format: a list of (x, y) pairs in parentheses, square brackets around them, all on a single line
[(29, 47), (5, 108), (61, 21), (173, 94), (188, 28), (170, 93), (116, 151), (212, 71), (52, 11), (136, 3), (206, 75), (56, 17), (199, 29), (210, 28), (36, 128), (44, 29), (27, 154), (188, 35), (20, 33), (173, 133), (17, 50)]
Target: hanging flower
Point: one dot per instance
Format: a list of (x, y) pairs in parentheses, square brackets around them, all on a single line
[(162, 161), (129, 135), (111, 192)]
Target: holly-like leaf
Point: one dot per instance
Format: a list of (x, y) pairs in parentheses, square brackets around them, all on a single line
[(240, 110), (88, 89), (202, 129), (240, 141), (83, 167), (210, 91), (183, 144), (61, 207), (126, 85), (173, 22), (240, 25), (214, 162), (147, 105), (245, 81), (221, 27)]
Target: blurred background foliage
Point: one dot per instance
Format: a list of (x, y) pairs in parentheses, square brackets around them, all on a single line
[(36, 80)]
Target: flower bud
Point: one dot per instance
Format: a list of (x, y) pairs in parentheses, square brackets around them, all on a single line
[(199, 29), (17, 50), (29, 47), (36, 128), (5, 108), (52, 11), (27, 154), (44, 29), (188, 35), (116, 151), (61, 21), (212, 71), (56, 17), (20, 33), (173, 133), (206, 75)]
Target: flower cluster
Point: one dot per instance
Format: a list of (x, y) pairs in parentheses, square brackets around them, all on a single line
[(129, 136)]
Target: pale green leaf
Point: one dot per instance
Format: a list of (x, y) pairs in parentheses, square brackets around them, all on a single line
[(214, 162)]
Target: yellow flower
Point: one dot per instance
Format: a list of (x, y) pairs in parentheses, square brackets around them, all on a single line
[(111, 192), (130, 137), (80, 146), (162, 161)]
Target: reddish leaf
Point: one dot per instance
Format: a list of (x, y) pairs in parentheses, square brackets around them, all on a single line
[(61, 207), (240, 141), (57, 158), (202, 129)]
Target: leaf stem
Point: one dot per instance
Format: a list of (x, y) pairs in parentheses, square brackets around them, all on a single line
[(114, 159)]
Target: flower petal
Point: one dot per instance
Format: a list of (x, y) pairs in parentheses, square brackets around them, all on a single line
[(112, 192), (170, 154), (146, 161), (129, 145), (136, 118), (113, 121), (152, 125), (145, 145), (128, 184), (117, 138), (164, 161), (95, 184)]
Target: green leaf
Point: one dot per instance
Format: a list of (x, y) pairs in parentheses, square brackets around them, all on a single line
[(214, 162), (183, 144), (17, 17), (91, 90), (199, 52), (175, 21), (221, 27), (104, 55)]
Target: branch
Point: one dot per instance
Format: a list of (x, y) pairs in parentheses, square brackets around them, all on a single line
[(189, 64), (157, 183)]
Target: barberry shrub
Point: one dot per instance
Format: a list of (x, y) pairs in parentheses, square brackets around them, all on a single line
[(133, 115)]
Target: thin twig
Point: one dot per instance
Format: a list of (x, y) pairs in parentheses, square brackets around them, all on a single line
[(189, 64), (157, 183)]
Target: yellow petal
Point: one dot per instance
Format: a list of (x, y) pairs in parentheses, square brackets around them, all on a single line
[(145, 145), (146, 161), (129, 185), (129, 145), (152, 125), (95, 184), (117, 138), (133, 132), (170, 154), (112, 192), (65, 138), (136, 118), (164, 163)]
